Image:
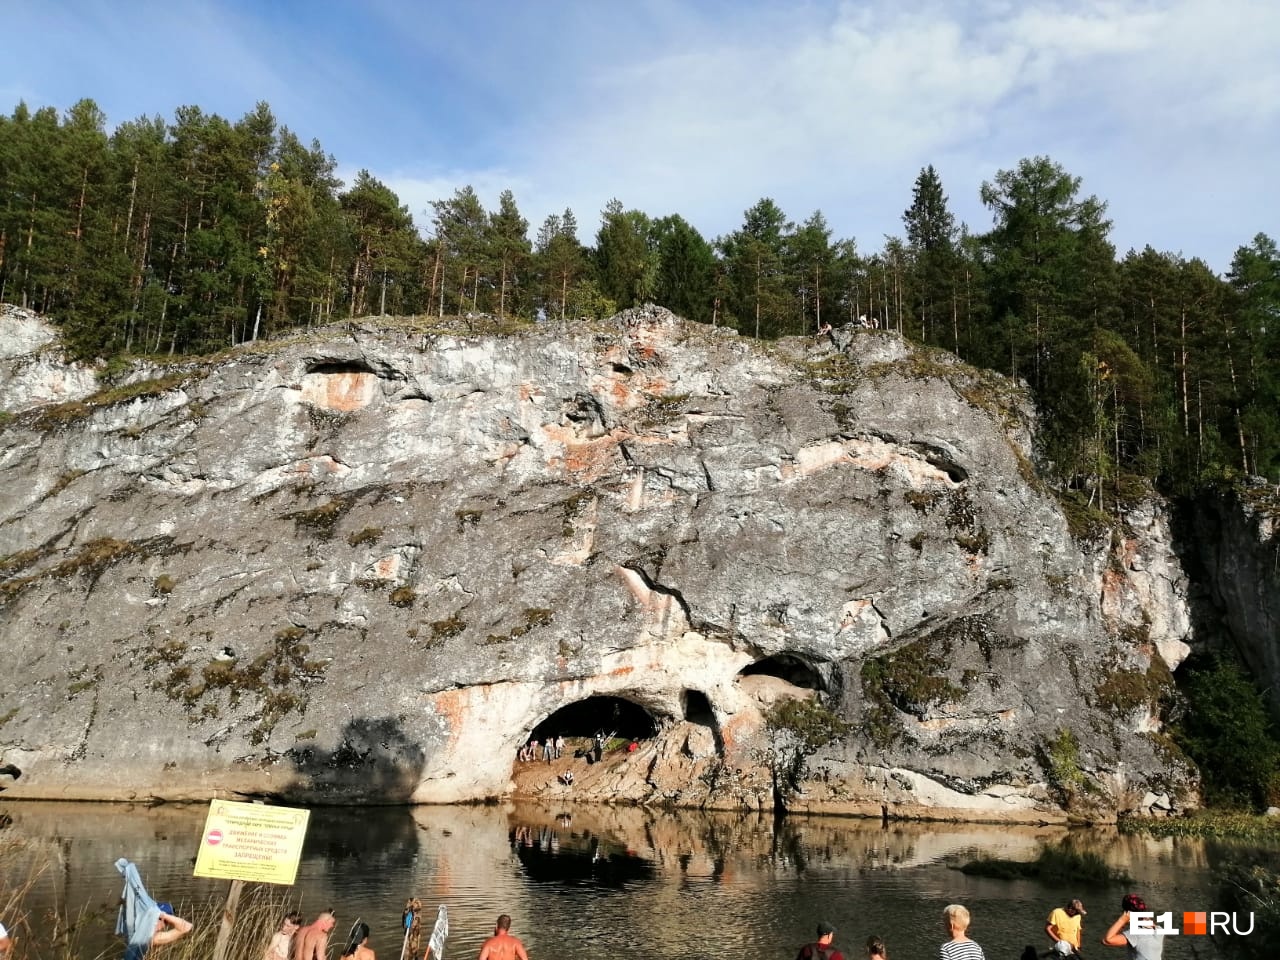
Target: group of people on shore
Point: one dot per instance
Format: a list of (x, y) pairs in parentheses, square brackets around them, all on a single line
[(1064, 930), (296, 942), (293, 941), (551, 749)]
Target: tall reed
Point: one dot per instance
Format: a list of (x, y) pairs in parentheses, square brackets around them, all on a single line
[(64, 932)]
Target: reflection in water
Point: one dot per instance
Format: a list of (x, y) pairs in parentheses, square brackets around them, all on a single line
[(629, 881), (573, 858)]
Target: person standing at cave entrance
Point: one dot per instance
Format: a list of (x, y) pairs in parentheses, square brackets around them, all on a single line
[(503, 946), (559, 746)]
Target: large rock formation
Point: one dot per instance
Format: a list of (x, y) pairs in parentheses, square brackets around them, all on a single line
[(366, 564), (1236, 551)]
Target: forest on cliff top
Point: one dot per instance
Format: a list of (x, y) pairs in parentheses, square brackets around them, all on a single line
[(191, 235)]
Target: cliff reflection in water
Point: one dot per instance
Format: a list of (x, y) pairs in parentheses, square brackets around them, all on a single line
[(635, 882)]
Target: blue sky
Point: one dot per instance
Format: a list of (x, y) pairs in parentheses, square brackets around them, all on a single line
[(1169, 110)]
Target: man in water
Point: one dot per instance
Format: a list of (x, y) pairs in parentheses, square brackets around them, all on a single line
[(169, 927), (281, 944), (1064, 927), (503, 946), (312, 941), (821, 949)]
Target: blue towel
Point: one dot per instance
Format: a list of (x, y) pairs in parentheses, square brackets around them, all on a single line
[(138, 915)]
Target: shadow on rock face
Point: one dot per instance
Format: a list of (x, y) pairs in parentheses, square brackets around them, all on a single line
[(374, 762)]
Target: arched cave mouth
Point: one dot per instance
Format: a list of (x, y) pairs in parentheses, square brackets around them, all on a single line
[(331, 367), (697, 708), (795, 670), (586, 718)]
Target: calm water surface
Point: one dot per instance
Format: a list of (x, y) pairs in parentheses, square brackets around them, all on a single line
[(584, 882)]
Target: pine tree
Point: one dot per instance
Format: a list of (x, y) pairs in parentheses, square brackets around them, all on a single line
[(755, 264), (931, 239), (686, 269), (625, 258), (811, 261), (509, 246)]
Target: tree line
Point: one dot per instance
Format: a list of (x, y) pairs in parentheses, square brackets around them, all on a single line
[(199, 233)]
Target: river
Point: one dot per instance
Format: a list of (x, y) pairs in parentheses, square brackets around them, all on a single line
[(586, 882)]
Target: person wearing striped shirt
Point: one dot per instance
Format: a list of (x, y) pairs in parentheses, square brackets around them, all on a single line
[(959, 947)]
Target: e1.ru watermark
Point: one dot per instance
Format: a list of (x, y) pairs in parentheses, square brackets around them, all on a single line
[(1194, 923)]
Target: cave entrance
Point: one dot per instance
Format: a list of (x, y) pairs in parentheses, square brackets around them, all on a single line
[(697, 708), (608, 715), (790, 668)]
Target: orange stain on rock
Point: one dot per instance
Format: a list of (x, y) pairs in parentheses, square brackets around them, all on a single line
[(453, 705), (339, 391)]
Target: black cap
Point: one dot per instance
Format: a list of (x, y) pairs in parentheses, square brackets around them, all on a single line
[(825, 929)]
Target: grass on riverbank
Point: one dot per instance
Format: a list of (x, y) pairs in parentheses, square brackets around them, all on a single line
[(1209, 824), (63, 933), (1057, 863)]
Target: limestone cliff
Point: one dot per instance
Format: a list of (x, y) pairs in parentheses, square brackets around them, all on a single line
[(366, 564)]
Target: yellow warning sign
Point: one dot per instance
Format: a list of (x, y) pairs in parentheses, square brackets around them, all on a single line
[(250, 841)]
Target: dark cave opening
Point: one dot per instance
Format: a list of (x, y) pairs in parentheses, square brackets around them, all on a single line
[(697, 708), (795, 670), (609, 715)]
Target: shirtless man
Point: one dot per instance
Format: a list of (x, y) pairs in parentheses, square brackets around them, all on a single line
[(503, 946), (169, 927), (312, 941)]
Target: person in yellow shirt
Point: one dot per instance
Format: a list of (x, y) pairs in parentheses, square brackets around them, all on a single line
[(1064, 928)]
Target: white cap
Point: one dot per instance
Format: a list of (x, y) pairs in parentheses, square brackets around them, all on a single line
[(1063, 948), (3, 932)]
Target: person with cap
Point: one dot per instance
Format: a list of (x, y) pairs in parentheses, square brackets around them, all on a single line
[(1064, 930), (6, 943), (821, 949), (1141, 944)]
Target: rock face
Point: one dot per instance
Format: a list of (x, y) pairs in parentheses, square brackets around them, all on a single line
[(1237, 544), (368, 565), (32, 368)]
